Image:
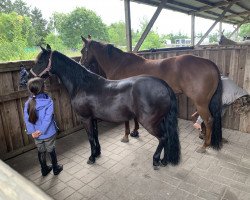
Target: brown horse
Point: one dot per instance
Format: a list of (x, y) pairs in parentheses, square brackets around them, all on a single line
[(197, 77)]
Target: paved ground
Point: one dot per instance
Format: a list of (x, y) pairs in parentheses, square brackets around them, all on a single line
[(124, 171)]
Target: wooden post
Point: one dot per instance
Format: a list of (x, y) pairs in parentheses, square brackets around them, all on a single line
[(149, 26), (244, 120), (192, 29), (128, 25), (218, 19), (220, 28)]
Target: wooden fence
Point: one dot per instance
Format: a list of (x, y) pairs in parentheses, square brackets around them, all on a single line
[(233, 61), (13, 138)]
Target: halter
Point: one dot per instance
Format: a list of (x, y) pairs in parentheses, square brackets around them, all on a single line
[(47, 69)]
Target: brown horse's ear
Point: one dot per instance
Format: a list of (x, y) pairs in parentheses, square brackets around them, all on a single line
[(89, 37), (48, 47), (84, 40), (43, 49)]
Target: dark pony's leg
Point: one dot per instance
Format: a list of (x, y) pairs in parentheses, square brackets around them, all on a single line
[(135, 132), (157, 154), (127, 132), (88, 125), (98, 147)]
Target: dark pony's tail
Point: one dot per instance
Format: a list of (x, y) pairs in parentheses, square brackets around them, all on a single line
[(169, 125), (215, 108)]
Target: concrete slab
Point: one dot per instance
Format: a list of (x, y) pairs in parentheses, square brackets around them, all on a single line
[(124, 171)]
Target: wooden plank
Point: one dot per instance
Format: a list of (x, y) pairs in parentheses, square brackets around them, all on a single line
[(244, 120), (66, 109), (3, 145), (11, 116), (13, 95), (26, 148)]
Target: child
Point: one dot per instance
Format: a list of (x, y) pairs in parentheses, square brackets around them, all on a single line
[(232, 95), (38, 116)]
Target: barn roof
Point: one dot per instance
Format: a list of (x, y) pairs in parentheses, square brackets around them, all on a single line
[(238, 13)]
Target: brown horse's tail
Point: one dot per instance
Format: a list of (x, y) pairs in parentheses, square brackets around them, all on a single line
[(169, 125), (215, 108)]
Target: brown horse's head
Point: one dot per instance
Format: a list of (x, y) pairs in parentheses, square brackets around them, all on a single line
[(42, 64), (87, 56)]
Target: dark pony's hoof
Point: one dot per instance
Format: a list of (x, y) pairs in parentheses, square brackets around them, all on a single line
[(134, 134), (164, 163), (91, 160), (98, 154), (156, 165)]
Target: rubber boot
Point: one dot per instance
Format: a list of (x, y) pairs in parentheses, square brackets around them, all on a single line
[(56, 168), (45, 169)]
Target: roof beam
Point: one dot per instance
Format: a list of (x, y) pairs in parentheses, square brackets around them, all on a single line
[(149, 26), (219, 19), (236, 15), (211, 6)]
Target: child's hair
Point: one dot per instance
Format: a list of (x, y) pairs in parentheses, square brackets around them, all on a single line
[(35, 86)]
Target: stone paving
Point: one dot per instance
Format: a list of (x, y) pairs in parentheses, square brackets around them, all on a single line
[(124, 170)]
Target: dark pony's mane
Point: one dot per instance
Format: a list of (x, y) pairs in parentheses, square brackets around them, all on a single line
[(78, 74), (113, 51)]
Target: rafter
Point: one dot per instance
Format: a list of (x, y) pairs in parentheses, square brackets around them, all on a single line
[(211, 6)]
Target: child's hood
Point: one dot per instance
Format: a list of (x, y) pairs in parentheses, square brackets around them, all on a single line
[(43, 103)]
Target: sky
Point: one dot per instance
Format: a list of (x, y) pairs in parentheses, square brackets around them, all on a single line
[(113, 11)]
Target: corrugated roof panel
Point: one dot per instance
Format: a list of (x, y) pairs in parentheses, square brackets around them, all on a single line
[(212, 10)]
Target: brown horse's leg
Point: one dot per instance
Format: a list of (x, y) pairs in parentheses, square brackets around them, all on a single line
[(135, 132), (127, 132), (208, 121)]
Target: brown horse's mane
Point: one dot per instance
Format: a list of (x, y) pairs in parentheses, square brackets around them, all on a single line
[(113, 51)]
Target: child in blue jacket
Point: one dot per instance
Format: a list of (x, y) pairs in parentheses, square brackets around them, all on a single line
[(39, 120)]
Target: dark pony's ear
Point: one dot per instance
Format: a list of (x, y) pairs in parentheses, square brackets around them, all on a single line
[(84, 40), (109, 48), (48, 47), (43, 49)]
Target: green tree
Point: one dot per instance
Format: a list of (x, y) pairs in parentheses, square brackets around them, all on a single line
[(244, 30), (15, 35), (117, 33), (18, 6), (213, 38), (6, 6), (39, 24), (55, 42), (21, 8), (153, 39), (80, 22)]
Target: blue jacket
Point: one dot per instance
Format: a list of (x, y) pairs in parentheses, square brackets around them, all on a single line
[(45, 113)]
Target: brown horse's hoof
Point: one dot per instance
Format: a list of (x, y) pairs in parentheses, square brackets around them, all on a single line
[(163, 163), (201, 150), (125, 140), (134, 134)]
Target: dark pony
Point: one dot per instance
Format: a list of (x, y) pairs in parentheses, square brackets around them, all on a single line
[(198, 78), (93, 97)]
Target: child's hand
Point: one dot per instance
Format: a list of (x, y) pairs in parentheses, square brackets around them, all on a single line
[(36, 134)]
